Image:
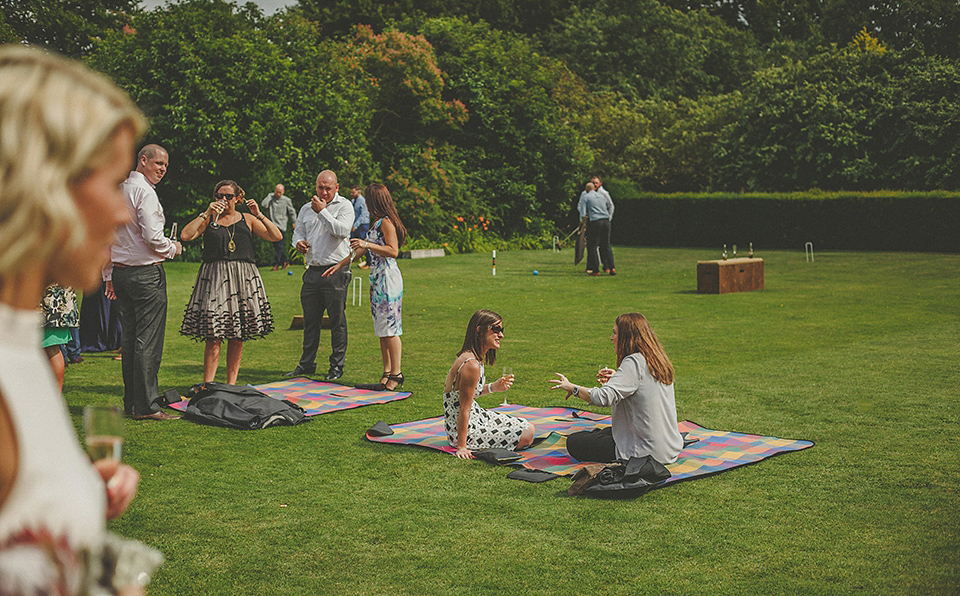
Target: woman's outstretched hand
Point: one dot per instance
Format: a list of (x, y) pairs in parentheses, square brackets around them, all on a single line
[(563, 384), (464, 453)]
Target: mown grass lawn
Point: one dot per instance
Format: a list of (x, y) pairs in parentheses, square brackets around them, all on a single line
[(856, 351)]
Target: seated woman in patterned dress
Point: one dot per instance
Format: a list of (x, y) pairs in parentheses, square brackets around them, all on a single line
[(468, 426)]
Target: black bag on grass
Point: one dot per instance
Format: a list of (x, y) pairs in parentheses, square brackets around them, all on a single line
[(630, 479), (241, 407), (619, 480)]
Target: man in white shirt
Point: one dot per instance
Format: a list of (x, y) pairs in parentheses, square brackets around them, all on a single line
[(138, 283), (322, 235)]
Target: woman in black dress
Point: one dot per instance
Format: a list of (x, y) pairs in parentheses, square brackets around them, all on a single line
[(228, 301)]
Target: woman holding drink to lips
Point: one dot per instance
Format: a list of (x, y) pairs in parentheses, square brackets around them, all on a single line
[(66, 144), (228, 301)]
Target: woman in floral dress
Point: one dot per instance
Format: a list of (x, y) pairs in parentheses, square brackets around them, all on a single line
[(60, 312), (382, 245)]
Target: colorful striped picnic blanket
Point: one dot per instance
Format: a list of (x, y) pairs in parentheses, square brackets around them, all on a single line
[(319, 397), (714, 451)]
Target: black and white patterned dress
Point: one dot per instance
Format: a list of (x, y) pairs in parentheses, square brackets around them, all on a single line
[(486, 429)]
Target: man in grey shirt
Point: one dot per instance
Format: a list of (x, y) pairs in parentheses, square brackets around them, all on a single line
[(279, 209), (598, 209)]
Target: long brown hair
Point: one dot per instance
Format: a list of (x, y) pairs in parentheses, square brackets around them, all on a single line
[(634, 334), (380, 204), (479, 323)]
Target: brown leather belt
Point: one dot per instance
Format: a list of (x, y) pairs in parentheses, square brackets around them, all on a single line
[(122, 266)]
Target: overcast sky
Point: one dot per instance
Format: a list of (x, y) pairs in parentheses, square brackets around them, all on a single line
[(267, 6)]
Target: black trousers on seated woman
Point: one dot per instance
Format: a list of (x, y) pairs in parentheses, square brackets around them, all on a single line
[(593, 445)]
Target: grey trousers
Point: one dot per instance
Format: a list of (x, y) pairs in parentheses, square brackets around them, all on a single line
[(318, 295), (142, 298)]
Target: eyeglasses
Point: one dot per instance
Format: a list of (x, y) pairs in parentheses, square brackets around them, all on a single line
[(224, 195), (496, 328)]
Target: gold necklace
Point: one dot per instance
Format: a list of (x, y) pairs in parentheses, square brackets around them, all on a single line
[(231, 232)]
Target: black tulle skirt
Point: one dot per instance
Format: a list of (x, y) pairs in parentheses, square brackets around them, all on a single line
[(228, 302)]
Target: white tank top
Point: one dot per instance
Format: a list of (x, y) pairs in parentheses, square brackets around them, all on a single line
[(56, 488)]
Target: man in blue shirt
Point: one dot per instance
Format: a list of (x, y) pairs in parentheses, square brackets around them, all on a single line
[(598, 209), (361, 218)]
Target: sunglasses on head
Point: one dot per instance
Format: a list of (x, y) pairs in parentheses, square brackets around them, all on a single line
[(224, 195), (496, 328)]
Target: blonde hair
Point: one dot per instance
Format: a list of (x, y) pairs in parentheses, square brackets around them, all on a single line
[(634, 334), (56, 119)]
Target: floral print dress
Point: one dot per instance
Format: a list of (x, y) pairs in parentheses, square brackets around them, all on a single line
[(386, 288)]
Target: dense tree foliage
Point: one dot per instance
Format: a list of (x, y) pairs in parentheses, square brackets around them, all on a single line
[(845, 120), (68, 26), (258, 104), (642, 49), (499, 108), (519, 146)]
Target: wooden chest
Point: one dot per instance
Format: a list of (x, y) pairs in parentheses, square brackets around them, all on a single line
[(732, 275)]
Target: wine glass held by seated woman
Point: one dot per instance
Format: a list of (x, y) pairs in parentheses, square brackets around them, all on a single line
[(382, 245), (228, 300), (468, 426), (640, 394), (66, 144)]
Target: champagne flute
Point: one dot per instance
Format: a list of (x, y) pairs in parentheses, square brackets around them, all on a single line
[(104, 432), (507, 370)]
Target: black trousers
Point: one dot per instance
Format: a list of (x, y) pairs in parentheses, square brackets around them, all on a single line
[(593, 445), (142, 298), (279, 251), (318, 295), (598, 245)]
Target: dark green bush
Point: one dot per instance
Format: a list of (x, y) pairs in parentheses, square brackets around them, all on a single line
[(832, 221)]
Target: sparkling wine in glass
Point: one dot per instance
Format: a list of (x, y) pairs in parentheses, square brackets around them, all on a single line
[(104, 432), (507, 370)]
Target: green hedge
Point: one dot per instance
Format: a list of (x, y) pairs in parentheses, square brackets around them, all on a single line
[(925, 222)]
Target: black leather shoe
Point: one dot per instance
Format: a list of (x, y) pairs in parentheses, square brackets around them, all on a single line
[(334, 373), (297, 372)]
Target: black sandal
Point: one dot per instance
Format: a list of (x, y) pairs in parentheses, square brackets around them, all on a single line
[(398, 379)]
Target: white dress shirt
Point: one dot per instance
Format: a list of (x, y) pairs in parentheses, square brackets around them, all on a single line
[(327, 232), (141, 241)]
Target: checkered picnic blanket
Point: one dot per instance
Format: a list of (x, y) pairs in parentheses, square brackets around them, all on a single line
[(714, 451), (430, 433), (319, 397)]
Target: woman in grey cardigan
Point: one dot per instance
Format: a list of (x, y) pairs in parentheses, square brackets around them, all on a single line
[(640, 394)]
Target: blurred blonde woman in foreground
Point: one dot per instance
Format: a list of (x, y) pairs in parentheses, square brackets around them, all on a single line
[(66, 143)]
